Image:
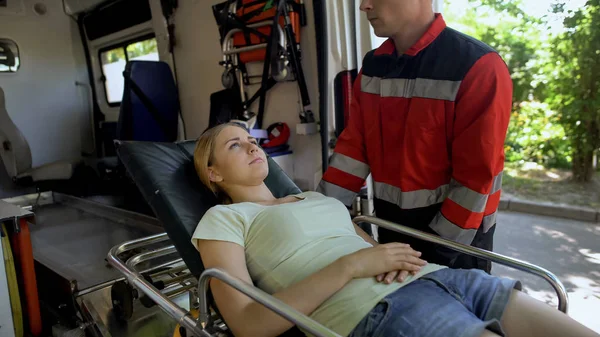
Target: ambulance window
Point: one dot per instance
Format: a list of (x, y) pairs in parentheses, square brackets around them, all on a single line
[(113, 60), (9, 56)]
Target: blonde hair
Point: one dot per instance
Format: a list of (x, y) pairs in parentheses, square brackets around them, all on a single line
[(204, 158)]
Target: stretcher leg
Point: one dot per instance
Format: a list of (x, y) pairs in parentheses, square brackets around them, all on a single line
[(21, 242)]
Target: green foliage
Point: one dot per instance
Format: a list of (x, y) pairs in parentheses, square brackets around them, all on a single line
[(134, 50), (506, 28), (534, 135), (556, 98), (574, 83), (113, 55), (141, 48)]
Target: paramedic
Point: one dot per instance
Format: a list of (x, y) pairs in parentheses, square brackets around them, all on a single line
[(428, 120)]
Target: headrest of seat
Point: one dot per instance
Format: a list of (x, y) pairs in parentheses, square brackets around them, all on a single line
[(2, 100), (166, 177), (15, 153), (155, 116)]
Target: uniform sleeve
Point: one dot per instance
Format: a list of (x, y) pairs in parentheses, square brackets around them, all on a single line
[(221, 224), (348, 167), (482, 112)]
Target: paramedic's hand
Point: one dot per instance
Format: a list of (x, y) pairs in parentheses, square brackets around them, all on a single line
[(383, 259)]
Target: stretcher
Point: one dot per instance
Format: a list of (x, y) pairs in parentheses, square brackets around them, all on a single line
[(167, 179), (266, 31)]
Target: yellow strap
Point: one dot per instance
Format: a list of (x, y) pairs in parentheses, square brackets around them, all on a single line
[(13, 285)]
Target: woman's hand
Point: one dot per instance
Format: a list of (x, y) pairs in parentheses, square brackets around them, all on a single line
[(383, 259), (399, 275)]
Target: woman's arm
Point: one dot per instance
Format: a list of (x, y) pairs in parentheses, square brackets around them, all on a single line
[(364, 235), (399, 275), (245, 317)]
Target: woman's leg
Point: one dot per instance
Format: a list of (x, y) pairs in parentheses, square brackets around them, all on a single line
[(526, 316)]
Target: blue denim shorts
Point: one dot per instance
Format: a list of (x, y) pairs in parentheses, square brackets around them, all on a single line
[(445, 303)]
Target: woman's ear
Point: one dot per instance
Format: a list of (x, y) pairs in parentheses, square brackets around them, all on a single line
[(214, 176)]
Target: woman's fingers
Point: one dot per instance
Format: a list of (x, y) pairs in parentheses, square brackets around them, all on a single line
[(404, 249), (389, 277), (402, 276), (410, 259)]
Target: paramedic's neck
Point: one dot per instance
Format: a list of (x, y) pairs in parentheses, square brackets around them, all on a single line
[(408, 36), (257, 194)]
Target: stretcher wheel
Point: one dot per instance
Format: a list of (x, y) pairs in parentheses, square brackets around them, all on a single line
[(122, 296), (228, 78), (280, 70)]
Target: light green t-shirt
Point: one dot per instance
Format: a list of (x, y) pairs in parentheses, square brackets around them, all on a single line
[(286, 243)]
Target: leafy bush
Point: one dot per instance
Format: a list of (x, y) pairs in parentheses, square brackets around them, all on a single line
[(534, 135)]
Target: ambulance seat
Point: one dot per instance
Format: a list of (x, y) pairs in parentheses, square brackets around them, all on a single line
[(16, 154), (150, 104)]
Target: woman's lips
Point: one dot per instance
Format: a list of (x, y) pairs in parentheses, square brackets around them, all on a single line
[(257, 160)]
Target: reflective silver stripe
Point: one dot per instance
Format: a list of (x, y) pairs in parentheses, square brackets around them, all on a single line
[(337, 192), (408, 88), (349, 165), (412, 199), (370, 85), (467, 198), (489, 221), (448, 230), (497, 186)]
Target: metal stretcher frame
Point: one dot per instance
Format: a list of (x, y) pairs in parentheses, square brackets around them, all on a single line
[(198, 327)]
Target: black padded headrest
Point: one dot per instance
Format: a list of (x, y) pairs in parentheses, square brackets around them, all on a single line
[(166, 177)]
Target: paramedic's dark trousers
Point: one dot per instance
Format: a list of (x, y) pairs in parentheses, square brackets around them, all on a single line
[(432, 253)]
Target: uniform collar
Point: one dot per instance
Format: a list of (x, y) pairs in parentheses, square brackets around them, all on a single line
[(434, 30)]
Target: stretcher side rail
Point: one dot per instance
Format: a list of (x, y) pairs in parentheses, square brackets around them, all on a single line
[(184, 318), (560, 289)]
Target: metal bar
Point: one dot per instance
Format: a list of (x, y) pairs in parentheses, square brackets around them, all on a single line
[(179, 279), (141, 242), (244, 49), (111, 282), (184, 318), (143, 257), (115, 214), (226, 47), (179, 291), (261, 297), (172, 270), (560, 289)]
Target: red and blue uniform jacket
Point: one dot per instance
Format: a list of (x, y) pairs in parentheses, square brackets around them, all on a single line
[(429, 126)]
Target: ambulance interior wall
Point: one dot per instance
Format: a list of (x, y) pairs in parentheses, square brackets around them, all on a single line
[(197, 55), (41, 97)]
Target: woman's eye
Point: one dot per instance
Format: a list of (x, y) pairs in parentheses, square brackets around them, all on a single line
[(254, 142), (234, 145)]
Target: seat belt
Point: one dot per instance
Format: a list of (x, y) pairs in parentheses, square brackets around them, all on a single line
[(149, 105)]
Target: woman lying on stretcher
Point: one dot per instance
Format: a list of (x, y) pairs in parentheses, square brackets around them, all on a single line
[(305, 250)]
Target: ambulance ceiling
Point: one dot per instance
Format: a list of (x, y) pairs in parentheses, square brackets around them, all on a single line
[(73, 7)]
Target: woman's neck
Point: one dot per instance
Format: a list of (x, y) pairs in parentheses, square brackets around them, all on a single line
[(257, 194)]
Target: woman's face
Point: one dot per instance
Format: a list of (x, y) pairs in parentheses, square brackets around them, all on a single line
[(238, 160)]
